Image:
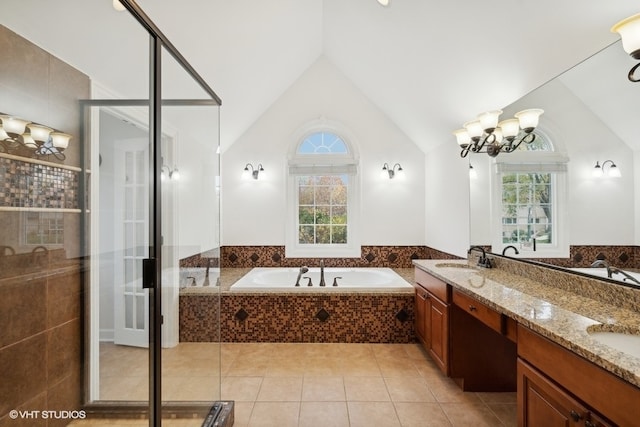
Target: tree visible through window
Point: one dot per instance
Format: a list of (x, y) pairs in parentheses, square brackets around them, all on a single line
[(322, 171), (526, 207), (322, 209)]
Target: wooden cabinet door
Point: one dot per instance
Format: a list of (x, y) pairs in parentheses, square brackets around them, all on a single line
[(543, 403), (437, 331), (421, 313)]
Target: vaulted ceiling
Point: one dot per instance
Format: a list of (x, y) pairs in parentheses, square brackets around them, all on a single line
[(430, 65)]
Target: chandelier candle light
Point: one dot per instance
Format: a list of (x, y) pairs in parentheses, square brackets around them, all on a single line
[(486, 135), (629, 30)]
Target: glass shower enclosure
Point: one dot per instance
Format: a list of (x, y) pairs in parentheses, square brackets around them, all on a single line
[(143, 223)]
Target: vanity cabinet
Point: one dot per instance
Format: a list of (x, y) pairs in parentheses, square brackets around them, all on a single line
[(432, 317), (482, 346), (558, 387)]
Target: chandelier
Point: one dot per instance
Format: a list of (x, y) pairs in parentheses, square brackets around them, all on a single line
[(486, 135)]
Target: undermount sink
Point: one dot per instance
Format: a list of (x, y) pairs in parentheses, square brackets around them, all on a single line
[(626, 343), (455, 265)]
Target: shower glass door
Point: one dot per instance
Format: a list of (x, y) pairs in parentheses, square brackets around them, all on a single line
[(153, 219)]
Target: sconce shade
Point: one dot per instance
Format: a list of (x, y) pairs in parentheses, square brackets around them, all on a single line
[(489, 119), (629, 30), (39, 132), (13, 125), (529, 118), (117, 5), (462, 136), (60, 140), (3, 134), (384, 3), (28, 141)]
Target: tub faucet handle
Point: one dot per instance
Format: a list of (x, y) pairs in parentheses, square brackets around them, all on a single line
[(335, 280), (309, 280)]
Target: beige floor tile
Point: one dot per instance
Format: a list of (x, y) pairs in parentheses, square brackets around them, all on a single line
[(510, 397), (286, 367), (415, 351), (372, 414), (411, 389), (323, 367), (360, 367), (397, 367), (412, 414), (323, 389), (466, 414), (124, 388), (245, 366), (275, 414), (242, 413), (386, 351), (324, 414), (241, 389), (366, 389), (191, 389), (446, 391), (506, 412), (280, 389)]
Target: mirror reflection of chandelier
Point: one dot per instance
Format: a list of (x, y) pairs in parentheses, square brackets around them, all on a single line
[(629, 30), (21, 137), (487, 135)]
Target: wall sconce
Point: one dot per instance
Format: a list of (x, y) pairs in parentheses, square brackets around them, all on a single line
[(250, 171), (173, 175), (629, 30), (613, 171), (505, 136), (21, 137), (391, 173)]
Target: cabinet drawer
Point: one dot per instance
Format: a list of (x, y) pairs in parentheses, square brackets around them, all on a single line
[(483, 313), (434, 285)]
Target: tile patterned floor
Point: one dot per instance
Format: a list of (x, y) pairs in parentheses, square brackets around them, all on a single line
[(310, 385)]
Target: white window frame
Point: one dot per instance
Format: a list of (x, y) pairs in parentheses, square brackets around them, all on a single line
[(316, 164), (531, 162)]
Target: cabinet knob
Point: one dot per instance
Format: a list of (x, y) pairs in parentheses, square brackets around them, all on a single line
[(588, 423), (472, 308), (575, 416)]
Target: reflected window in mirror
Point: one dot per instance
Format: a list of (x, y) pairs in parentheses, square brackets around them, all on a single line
[(530, 201)]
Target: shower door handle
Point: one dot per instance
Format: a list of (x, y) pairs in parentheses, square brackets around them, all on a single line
[(148, 270)]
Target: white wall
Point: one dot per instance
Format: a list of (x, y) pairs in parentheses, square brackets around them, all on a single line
[(392, 210), (447, 200)]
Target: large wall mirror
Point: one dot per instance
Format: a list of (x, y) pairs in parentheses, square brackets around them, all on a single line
[(591, 116)]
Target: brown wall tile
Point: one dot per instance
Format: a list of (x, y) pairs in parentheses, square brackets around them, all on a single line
[(23, 309)]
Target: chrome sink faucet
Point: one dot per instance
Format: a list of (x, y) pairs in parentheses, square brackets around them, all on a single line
[(322, 282), (602, 263)]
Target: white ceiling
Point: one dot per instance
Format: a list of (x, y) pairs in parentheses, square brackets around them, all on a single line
[(429, 65)]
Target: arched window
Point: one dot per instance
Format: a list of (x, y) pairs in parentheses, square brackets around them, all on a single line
[(532, 189), (323, 197)]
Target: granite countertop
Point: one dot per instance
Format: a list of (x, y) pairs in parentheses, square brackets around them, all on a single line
[(563, 316)]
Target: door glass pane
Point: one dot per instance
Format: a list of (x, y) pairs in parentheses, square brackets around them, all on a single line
[(190, 230)]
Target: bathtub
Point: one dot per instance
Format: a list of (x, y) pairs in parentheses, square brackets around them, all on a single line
[(352, 279)]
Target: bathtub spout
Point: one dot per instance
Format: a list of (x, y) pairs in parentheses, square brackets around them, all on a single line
[(300, 273), (322, 282)]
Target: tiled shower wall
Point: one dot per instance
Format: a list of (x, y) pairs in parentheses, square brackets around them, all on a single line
[(40, 292)]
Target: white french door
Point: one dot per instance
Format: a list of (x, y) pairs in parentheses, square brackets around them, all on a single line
[(131, 239)]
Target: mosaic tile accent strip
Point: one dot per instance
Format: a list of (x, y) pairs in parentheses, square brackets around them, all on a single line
[(292, 318), (33, 185), (372, 256)]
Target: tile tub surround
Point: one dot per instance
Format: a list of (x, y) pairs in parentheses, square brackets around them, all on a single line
[(288, 317), (371, 256), (558, 305)]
